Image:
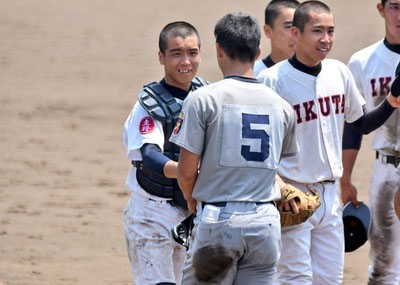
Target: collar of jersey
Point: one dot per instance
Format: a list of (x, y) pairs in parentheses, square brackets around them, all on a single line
[(314, 71), (268, 61), (175, 91), (393, 48), (242, 78)]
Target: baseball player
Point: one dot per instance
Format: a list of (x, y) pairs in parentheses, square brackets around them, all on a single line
[(323, 94), (278, 21), (374, 69), (237, 129), (157, 203)]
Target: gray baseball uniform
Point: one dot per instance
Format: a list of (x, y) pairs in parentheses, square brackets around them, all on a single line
[(239, 128)]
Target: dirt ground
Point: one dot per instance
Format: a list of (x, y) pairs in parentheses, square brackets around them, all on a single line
[(69, 75)]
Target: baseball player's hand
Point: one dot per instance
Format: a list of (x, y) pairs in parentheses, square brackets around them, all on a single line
[(192, 203), (289, 206), (296, 206), (348, 192), (393, 101)]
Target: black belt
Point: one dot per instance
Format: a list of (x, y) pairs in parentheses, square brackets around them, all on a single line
[(389, 159), (171, 202), (223, 204)]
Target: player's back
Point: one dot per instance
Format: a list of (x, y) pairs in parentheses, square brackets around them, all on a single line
[(247, 127)]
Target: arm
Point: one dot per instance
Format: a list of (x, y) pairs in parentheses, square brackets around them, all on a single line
[(187, 175), (348, 190), (351, 145), (156, 161), (372, 120)]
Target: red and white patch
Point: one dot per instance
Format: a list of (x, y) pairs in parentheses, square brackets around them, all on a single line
[(146, 125)]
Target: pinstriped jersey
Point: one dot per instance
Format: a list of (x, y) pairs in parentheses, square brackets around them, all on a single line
[(321, 104), (373, 69), (239, 128)]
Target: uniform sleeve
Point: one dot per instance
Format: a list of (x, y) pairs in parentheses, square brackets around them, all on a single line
[(141, 128), (189, 132), (264, 78), (355, 69), (354, 100), (290, 146)]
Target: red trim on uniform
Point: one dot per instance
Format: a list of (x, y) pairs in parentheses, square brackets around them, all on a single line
[(146, 125)]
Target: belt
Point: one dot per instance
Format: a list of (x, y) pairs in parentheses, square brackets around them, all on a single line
[(223, 204), (388, 159), (327, 181), (164, 201)]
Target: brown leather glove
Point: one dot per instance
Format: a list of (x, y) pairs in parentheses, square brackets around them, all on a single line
[(307, 203)]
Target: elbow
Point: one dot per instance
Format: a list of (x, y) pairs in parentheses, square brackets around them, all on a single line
[(185, 175)]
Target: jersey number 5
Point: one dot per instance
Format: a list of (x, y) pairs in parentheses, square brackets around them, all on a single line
[(249, 133)]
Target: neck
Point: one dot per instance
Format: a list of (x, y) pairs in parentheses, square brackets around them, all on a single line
[(392, 40), (239, 69), (305, 60), (277, 56)]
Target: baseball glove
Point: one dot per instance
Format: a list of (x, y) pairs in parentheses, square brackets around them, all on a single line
[(307, 203)]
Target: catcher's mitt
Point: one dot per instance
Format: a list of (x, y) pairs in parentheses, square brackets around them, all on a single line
[(182, 232), (307, 203)]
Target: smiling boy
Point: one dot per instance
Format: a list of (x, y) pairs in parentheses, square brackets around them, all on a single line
[(323, 94)]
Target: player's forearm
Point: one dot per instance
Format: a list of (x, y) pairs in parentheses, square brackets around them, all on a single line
[(187, 172), (375, 118), (170, 169), (349, 157), (186, 184)]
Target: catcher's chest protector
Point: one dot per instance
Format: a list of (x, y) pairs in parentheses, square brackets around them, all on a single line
[(162, 106)]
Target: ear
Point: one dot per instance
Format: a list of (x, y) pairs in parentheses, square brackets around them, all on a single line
[(267, 31), (295, 33), (220, 51), (258, 53), (161, 57), (381, 9)]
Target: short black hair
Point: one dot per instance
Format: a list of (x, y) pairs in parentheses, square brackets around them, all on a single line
[(238, 34), (173, 30), (302, 13), (272, 10), (383, 2)]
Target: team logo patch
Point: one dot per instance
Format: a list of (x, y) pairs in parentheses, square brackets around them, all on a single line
[(146, 125), (179, 123)]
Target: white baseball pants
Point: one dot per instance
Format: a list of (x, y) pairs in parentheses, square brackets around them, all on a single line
[(154, 256), (313, 252), (385, 232)]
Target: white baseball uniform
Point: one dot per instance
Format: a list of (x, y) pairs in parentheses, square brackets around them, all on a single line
[(240, 129), (313, 252), (154, 256), (262, 64), (374, 70)]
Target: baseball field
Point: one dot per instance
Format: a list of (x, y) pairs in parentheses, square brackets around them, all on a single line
[(70, 72)]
